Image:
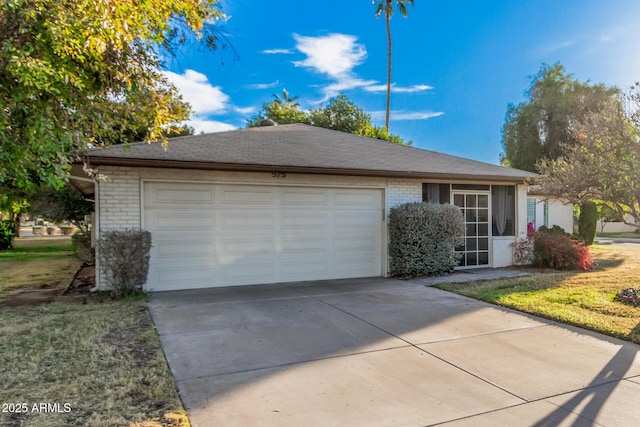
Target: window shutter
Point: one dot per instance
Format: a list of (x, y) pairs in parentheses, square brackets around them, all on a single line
[(531, 211)]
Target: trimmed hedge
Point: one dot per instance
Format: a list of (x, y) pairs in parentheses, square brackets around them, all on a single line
[(588, 222), (423, 237)]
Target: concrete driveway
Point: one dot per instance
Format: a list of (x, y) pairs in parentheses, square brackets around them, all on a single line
[(381, 352)]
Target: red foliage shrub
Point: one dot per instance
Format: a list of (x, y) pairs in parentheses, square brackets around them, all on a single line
[(560, 252)]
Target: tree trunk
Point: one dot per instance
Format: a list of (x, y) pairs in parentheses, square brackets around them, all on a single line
[(388, 19), (18, 223)]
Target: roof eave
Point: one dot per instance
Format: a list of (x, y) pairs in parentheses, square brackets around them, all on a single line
[(237, 167)]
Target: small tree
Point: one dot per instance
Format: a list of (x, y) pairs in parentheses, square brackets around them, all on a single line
[(604, 166)]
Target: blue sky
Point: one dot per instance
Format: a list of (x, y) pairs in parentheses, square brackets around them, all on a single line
[(456, 65)]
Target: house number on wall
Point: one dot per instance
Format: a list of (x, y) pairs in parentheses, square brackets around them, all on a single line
[(278, 175)]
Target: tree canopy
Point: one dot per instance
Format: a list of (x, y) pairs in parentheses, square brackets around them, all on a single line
[(605, 164), (339, 113), (542, 127), (70, 73)]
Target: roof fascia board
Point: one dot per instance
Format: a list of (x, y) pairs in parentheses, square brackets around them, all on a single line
[(177, 164)]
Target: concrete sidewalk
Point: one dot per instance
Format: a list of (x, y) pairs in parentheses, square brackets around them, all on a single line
[(382, 352)]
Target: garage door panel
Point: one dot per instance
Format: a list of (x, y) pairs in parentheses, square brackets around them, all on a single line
[(302, 198), (167, 276), (317, 245), (355, 243), (243, 234), (361, 220), (358, 199), (355, 266), (248, 246), (186, 248), (181, 220), (245, 195), (233, 220), (295, 271), (249, 273), (311, 220), (170, 194)]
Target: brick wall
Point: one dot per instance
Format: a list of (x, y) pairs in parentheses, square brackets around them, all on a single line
[(119, 199), (403, 191)]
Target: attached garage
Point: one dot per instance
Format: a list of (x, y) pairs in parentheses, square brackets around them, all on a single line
[(283, 203), (207, 235)]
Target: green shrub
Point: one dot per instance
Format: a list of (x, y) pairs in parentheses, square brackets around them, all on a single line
[(588, 222), (560, 252), (556, 230), (423, 237), (124, 259), (82, 246), (8, 230)]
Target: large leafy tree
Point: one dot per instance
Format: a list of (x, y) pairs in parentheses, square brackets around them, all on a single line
[(339, 113), (64, 65), (385, 7), (605, 165), (542, 127)]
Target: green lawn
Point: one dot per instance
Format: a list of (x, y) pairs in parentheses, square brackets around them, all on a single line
[(102, 359), (42, 244), (584, 299)]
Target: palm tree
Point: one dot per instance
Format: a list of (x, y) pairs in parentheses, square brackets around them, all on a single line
[(386, 7), (286, 101)]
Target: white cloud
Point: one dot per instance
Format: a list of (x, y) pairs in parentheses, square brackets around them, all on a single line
[(554, 47), (398, 115), (245, 110), (208, 126), (345, 83), (335, 55), (264, 85), (398, 89), (197, 91), (278, 51)]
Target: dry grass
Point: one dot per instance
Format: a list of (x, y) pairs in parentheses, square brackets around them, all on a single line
[(104, 360), (583, 299), (37, 263), (20, 271)]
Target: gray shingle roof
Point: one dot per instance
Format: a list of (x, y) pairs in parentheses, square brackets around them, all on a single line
[(301, 148)]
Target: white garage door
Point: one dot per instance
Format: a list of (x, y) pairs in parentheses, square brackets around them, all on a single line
[(207, 235)]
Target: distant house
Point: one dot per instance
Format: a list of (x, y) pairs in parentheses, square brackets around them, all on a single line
[(293, 203), (543, 210)]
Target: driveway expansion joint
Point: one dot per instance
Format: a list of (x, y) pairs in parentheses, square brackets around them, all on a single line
[(302, 362), (423, 350)]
